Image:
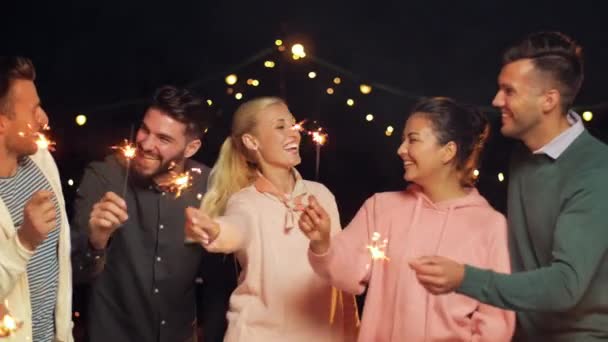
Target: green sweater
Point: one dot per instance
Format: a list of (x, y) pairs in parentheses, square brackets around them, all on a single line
[(558, 226)]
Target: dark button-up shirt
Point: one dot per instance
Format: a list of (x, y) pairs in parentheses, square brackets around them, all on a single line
[(143, 286)]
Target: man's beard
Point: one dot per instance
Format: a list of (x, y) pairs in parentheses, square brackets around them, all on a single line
[(162, 169)]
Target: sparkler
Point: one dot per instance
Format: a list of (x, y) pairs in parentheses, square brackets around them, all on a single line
[(128, 151), (41, 140), (319, 138), (377, 248), (178, 182), (44, 142), (299, 126), (8, 324)]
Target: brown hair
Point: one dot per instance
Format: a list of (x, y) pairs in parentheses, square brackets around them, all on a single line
[(12, 68), (466, 126), (556, 55)]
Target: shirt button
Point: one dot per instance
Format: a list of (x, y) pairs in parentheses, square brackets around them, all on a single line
[(158, 258), (163, 322), (162, 193), (155, 290), (161, 226)]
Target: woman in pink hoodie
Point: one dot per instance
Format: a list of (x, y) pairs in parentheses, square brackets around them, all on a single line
[(251, 209), (440, 213)]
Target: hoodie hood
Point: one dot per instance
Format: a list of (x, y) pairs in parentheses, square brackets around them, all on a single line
[(443, 208), (472, 199)]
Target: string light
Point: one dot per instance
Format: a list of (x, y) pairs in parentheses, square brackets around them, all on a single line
[(475, 173), (587, 116), (278, 42), (501, 177), (312, 74), (330, 91), (81, 119), (238, 96), (365, 89), (298, 51), (231, 79), (269, 64), (369, 117), (350, 102), (337, 80)]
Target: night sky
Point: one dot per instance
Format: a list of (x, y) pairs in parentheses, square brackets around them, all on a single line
[(103, 58)]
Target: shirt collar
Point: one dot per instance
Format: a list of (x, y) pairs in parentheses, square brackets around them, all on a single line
[(559, 144)]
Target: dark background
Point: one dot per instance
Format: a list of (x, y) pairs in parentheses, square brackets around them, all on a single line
[(104, 58)]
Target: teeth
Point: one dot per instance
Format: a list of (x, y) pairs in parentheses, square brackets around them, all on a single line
[(290, 146)]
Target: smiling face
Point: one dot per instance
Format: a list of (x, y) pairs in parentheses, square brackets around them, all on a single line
[(274, 139), (423, 157), (519, 98), (22, 118), (160, 141)]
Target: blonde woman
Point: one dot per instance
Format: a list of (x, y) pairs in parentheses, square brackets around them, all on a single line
[(251, 209)]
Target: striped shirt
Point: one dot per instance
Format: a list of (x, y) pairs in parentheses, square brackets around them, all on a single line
[(43, 267)]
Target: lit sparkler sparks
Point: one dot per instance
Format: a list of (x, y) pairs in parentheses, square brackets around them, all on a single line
[(44, 143), (377, 247), (8, 324), (299, 126), (127, 149), (41, 140), (319, 137), (179, 182)]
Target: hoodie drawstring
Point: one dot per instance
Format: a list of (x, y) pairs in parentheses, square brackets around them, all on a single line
[(436, 252)]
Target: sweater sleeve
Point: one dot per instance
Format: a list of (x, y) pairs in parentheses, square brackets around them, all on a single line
[(235, 227), (491, 324), (347, 263), (580, 245)]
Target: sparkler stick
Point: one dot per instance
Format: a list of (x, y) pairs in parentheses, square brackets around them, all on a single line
[(319, 139), (128, 151)]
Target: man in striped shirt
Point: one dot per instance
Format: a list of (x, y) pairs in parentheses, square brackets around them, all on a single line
[(34, 236)]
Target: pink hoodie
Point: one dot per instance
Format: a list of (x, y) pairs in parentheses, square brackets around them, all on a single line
[(397, 307)]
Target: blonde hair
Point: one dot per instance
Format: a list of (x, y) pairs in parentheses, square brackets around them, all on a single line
[(235, 167)]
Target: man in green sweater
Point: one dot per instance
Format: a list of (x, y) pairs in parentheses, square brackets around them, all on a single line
[(557, 204)]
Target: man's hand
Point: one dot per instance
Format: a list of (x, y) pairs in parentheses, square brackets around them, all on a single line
[(107, 215), (38, 219), (316, 225), (200, 227), (437, 274)]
